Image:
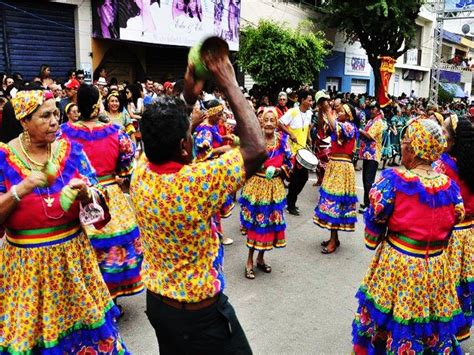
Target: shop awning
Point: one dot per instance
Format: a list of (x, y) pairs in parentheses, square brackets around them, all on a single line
[(454, 89)]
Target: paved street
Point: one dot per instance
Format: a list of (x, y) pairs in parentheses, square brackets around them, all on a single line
[(305, 306)]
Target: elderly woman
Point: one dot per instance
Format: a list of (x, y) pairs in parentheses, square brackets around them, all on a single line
[(407, 301), (336, 209), (263, 197), (111, 152), (457, 164), (53, 298)]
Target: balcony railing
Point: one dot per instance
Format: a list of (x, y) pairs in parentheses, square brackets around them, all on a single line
[(455, 67)]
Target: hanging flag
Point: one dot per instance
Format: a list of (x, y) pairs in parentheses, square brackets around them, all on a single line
[(387, 68)]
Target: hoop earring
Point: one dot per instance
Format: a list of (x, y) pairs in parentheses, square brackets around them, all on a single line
[(26, 138)]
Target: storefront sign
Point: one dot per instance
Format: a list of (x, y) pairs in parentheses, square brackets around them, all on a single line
[(357, 65), (459, 4), (171, 22)]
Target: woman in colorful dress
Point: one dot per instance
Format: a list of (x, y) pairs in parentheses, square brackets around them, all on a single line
[(53, 299), (457, 164), (263, 197), (209, 144), (397, 123), (407, 301), (111, 152), (336, 209), (118, 114)]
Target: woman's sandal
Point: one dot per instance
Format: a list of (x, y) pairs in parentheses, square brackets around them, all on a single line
[(325, 250), (249, 274), (122, 312), (326, 243), (264, 267)]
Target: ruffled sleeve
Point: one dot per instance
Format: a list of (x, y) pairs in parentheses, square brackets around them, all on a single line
[(381, 198), (288, 157), (126, 155), (3, 188), (344, 131), (85, 168), (203, 144), (459, 210)]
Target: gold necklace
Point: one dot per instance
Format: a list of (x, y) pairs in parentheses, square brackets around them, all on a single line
[(25, 152)]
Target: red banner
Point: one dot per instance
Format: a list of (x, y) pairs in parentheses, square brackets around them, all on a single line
[(387, 68)]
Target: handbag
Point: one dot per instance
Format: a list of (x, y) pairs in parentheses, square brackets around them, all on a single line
[(91, 213)]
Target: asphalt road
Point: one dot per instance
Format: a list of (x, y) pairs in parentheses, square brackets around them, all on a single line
[(305, 306)]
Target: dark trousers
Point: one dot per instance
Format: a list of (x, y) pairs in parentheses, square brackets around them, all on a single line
[(297, 181), (211, 330), (369, 170)]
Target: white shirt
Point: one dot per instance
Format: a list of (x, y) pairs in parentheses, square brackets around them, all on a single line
[(296, 119)]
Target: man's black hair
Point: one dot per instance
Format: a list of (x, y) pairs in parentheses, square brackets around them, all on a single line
[(303, 94), (163, 125)]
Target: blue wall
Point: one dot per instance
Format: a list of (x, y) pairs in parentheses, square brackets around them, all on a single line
[(335, 68)]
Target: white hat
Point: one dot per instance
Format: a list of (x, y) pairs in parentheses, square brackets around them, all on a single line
[(102, 81)]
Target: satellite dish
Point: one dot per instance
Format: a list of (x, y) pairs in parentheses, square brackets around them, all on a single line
[(466, 29)]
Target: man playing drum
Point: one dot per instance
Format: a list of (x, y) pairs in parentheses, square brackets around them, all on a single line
[(295, 122)]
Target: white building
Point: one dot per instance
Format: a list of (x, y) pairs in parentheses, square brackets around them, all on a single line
[(413, 69)]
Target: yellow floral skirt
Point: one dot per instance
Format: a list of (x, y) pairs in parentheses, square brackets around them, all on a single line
[(336, 209), (407, 303), (53, 299), (460, 253)]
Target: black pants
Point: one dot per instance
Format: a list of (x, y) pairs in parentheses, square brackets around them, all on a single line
[(297, 181), (369, 170), (211, 330)]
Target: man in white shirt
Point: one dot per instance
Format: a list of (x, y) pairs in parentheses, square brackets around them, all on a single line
[(295, 122)]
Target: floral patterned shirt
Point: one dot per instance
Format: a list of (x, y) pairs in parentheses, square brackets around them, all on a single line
[(372, 149), (174, 204)]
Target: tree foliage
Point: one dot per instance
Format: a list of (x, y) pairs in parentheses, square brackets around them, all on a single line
[(383, 27), (277, 56)]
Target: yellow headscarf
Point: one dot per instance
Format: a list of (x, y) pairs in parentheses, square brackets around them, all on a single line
[(26, 102)]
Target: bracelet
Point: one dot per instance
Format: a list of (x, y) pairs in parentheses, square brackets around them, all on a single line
[(15, 194)]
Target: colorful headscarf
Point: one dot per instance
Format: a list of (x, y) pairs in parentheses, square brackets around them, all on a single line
[(215, 110), (426, 138), (348, 111), (270, 109), (26, 102)]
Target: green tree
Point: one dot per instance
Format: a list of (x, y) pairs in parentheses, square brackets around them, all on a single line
[(277, 56), (383, 27)]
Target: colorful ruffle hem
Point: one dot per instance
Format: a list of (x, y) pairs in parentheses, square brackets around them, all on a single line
[(262, 204), (399, 311), (408, 302), (54, 301), (117, 245), (460, 253), (336, 209)]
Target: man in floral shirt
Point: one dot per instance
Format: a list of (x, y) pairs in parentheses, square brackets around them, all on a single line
[(370, 150), (175, 200)]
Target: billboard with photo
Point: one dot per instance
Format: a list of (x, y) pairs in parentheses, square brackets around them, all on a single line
[(459, 4), (169, 22)]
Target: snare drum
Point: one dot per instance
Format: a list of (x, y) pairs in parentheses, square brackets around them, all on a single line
[(307, 159)]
